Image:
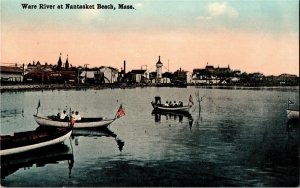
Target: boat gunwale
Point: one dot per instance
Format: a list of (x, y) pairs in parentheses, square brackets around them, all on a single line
[(66, 121), (58, 134)]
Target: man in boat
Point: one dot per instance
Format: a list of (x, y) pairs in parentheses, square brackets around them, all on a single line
[(63, 115), (170, 104), (77, 116), (175, 104), (167, 104), (180, 104), (72, 114)]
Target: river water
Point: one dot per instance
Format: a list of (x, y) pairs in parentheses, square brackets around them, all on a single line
[(238, 138)]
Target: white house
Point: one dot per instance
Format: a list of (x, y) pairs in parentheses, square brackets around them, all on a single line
[(189, 77), (110, 74)]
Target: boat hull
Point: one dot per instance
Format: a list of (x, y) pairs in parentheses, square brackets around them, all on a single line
[(170, 109), (292, 114), (21, 149), (44, 121)]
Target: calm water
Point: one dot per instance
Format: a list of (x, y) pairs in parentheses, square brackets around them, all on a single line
[(240, 138)]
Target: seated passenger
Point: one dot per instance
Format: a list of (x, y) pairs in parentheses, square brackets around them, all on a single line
[(170, 104), (63, 115), (175, 104), (77, 116), (167, 104), (72, 114)]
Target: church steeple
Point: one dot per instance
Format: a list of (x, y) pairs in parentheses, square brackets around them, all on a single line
[(59, 63), (67, 63)]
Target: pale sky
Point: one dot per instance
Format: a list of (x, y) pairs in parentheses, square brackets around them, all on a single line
[(250, 35)]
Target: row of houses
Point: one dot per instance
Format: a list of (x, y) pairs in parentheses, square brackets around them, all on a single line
[(36, 72), (65, 73)]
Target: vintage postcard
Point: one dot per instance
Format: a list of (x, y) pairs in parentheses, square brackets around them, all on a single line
[(141, 93)]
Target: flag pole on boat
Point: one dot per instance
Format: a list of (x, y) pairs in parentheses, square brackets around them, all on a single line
[(37, 108), (190, 101), (290, 103)]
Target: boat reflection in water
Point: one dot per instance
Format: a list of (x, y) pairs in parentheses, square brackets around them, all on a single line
[(292, 126), (172, 115), (40, 157), (96, 132)]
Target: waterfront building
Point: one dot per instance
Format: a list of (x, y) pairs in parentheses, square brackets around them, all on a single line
[(39, 73), (167, 77), (139, 76), (11, 74), (182, 76), (287, 79), (212, 75), (90, 75), (152, 77), (108, 74)]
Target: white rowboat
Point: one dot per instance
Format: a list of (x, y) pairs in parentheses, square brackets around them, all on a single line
[(177, 109), (157, 105), (292, 114), (84, 123)]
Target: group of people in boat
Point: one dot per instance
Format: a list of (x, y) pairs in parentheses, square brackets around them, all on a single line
[(175, 104), (64, 116)]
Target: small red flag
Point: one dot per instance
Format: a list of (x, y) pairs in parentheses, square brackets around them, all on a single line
[(120, 112), (72, 122)]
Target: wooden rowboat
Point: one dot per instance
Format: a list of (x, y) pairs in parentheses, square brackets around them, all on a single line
[(177, 109), (30, 140), (292, 114), (85, 122), (157, 105), (53, 121)]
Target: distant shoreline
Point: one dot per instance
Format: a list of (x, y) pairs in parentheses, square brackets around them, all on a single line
[(41, 87)]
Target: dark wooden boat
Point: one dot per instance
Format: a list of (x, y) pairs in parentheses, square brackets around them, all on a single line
[(29, 140)]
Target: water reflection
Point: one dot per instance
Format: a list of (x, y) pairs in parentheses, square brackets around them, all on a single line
[(292, 128), (40, 157), (172, 116), (96, 132), (12, 113)]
